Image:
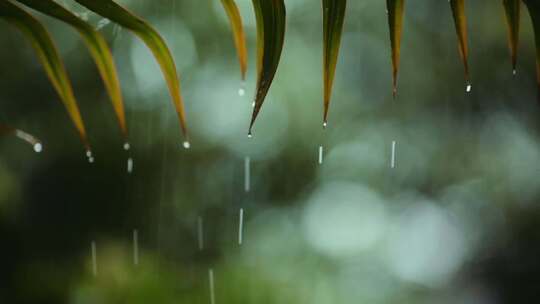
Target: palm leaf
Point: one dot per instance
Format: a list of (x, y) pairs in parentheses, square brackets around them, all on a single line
[(333, 18), (270, 16), (460, 21), (49, 57), (29, 138), (395, 10), (116, 13), (98, 49), (534, 11), (512, 9), (238, 34)]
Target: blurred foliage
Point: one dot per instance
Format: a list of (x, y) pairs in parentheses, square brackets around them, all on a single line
[(455, 221)]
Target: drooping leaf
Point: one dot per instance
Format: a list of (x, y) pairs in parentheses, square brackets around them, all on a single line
[(238, 34), (98, 49), (460, 21), (395, 9), (333, 18), (49, 57), (534, 11), (270, 16), (512, 9), (29, 138), (116, 13)]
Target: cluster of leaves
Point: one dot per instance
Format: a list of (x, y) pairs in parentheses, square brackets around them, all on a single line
[(271, 21)]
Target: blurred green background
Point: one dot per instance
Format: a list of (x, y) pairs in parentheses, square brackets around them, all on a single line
[(456, 220)]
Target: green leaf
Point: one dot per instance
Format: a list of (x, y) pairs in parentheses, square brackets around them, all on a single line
[(98, 49), (534, 11), (395, 10), (118, 14), (270, 16), (333, 18), (460, 21), (48, 55), (512, 10), (6, 130), (238, 34)]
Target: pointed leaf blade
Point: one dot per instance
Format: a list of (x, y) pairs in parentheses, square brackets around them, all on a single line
[(49, 57), (512, 10), (395, 10), (333, 19), (270, 16), (533, 7), (120, 15), (460, 22), (238, 34), (99, 50)]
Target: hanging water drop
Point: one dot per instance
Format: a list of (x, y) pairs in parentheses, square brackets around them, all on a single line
[(88, 153), (250, 135), (468, 88), (186, 144), (130, 165), (514, 72), (324, 124), (38, 147), (127, 146), (91, 160)]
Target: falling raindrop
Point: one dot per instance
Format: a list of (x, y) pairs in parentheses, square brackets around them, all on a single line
[(94, 258), (186, 144), (130, 165), (91, 160), (38, 147), (127, 146), (321, 151), (247, 174), (242, 89), (468, 88), (211, 285), (200, 233), (102, 23), (135, 247), (393, 157), (241, 227), (88, 153), (514, 72)]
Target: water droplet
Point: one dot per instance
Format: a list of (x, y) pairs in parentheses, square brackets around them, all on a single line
[(211, 285), (321, 152), (250, 135), (38, 147), (469, 88), (393, 157), (514, 72), (88, 153), (186, 145), (253, 104), (241, 92), (127, 146), (324, 124), (247, 174), (91, 160), (241, 227)]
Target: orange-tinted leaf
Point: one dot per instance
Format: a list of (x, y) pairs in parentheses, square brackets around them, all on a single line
[(238, 34), (49, 57), (270, 15), (460, 21), (395, 9), (98, 49), (333, 18), (512, 9), (116, 13)]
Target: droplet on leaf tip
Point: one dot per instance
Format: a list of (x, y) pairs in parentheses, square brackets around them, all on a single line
[(253, 104), (127, 146), (325, 124), (186, 144), (514, 72), (250, 135), (38, 147), (468, 88), (241, 92), (88, 153)]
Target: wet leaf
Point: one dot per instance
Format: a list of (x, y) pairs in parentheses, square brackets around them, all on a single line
[(98, 49), (238, 34), (534, 11), (49, 57), (333, 18), (395, 10), (6, 130), (270, 15), (512, 9), (116, 13), (460, 21)]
